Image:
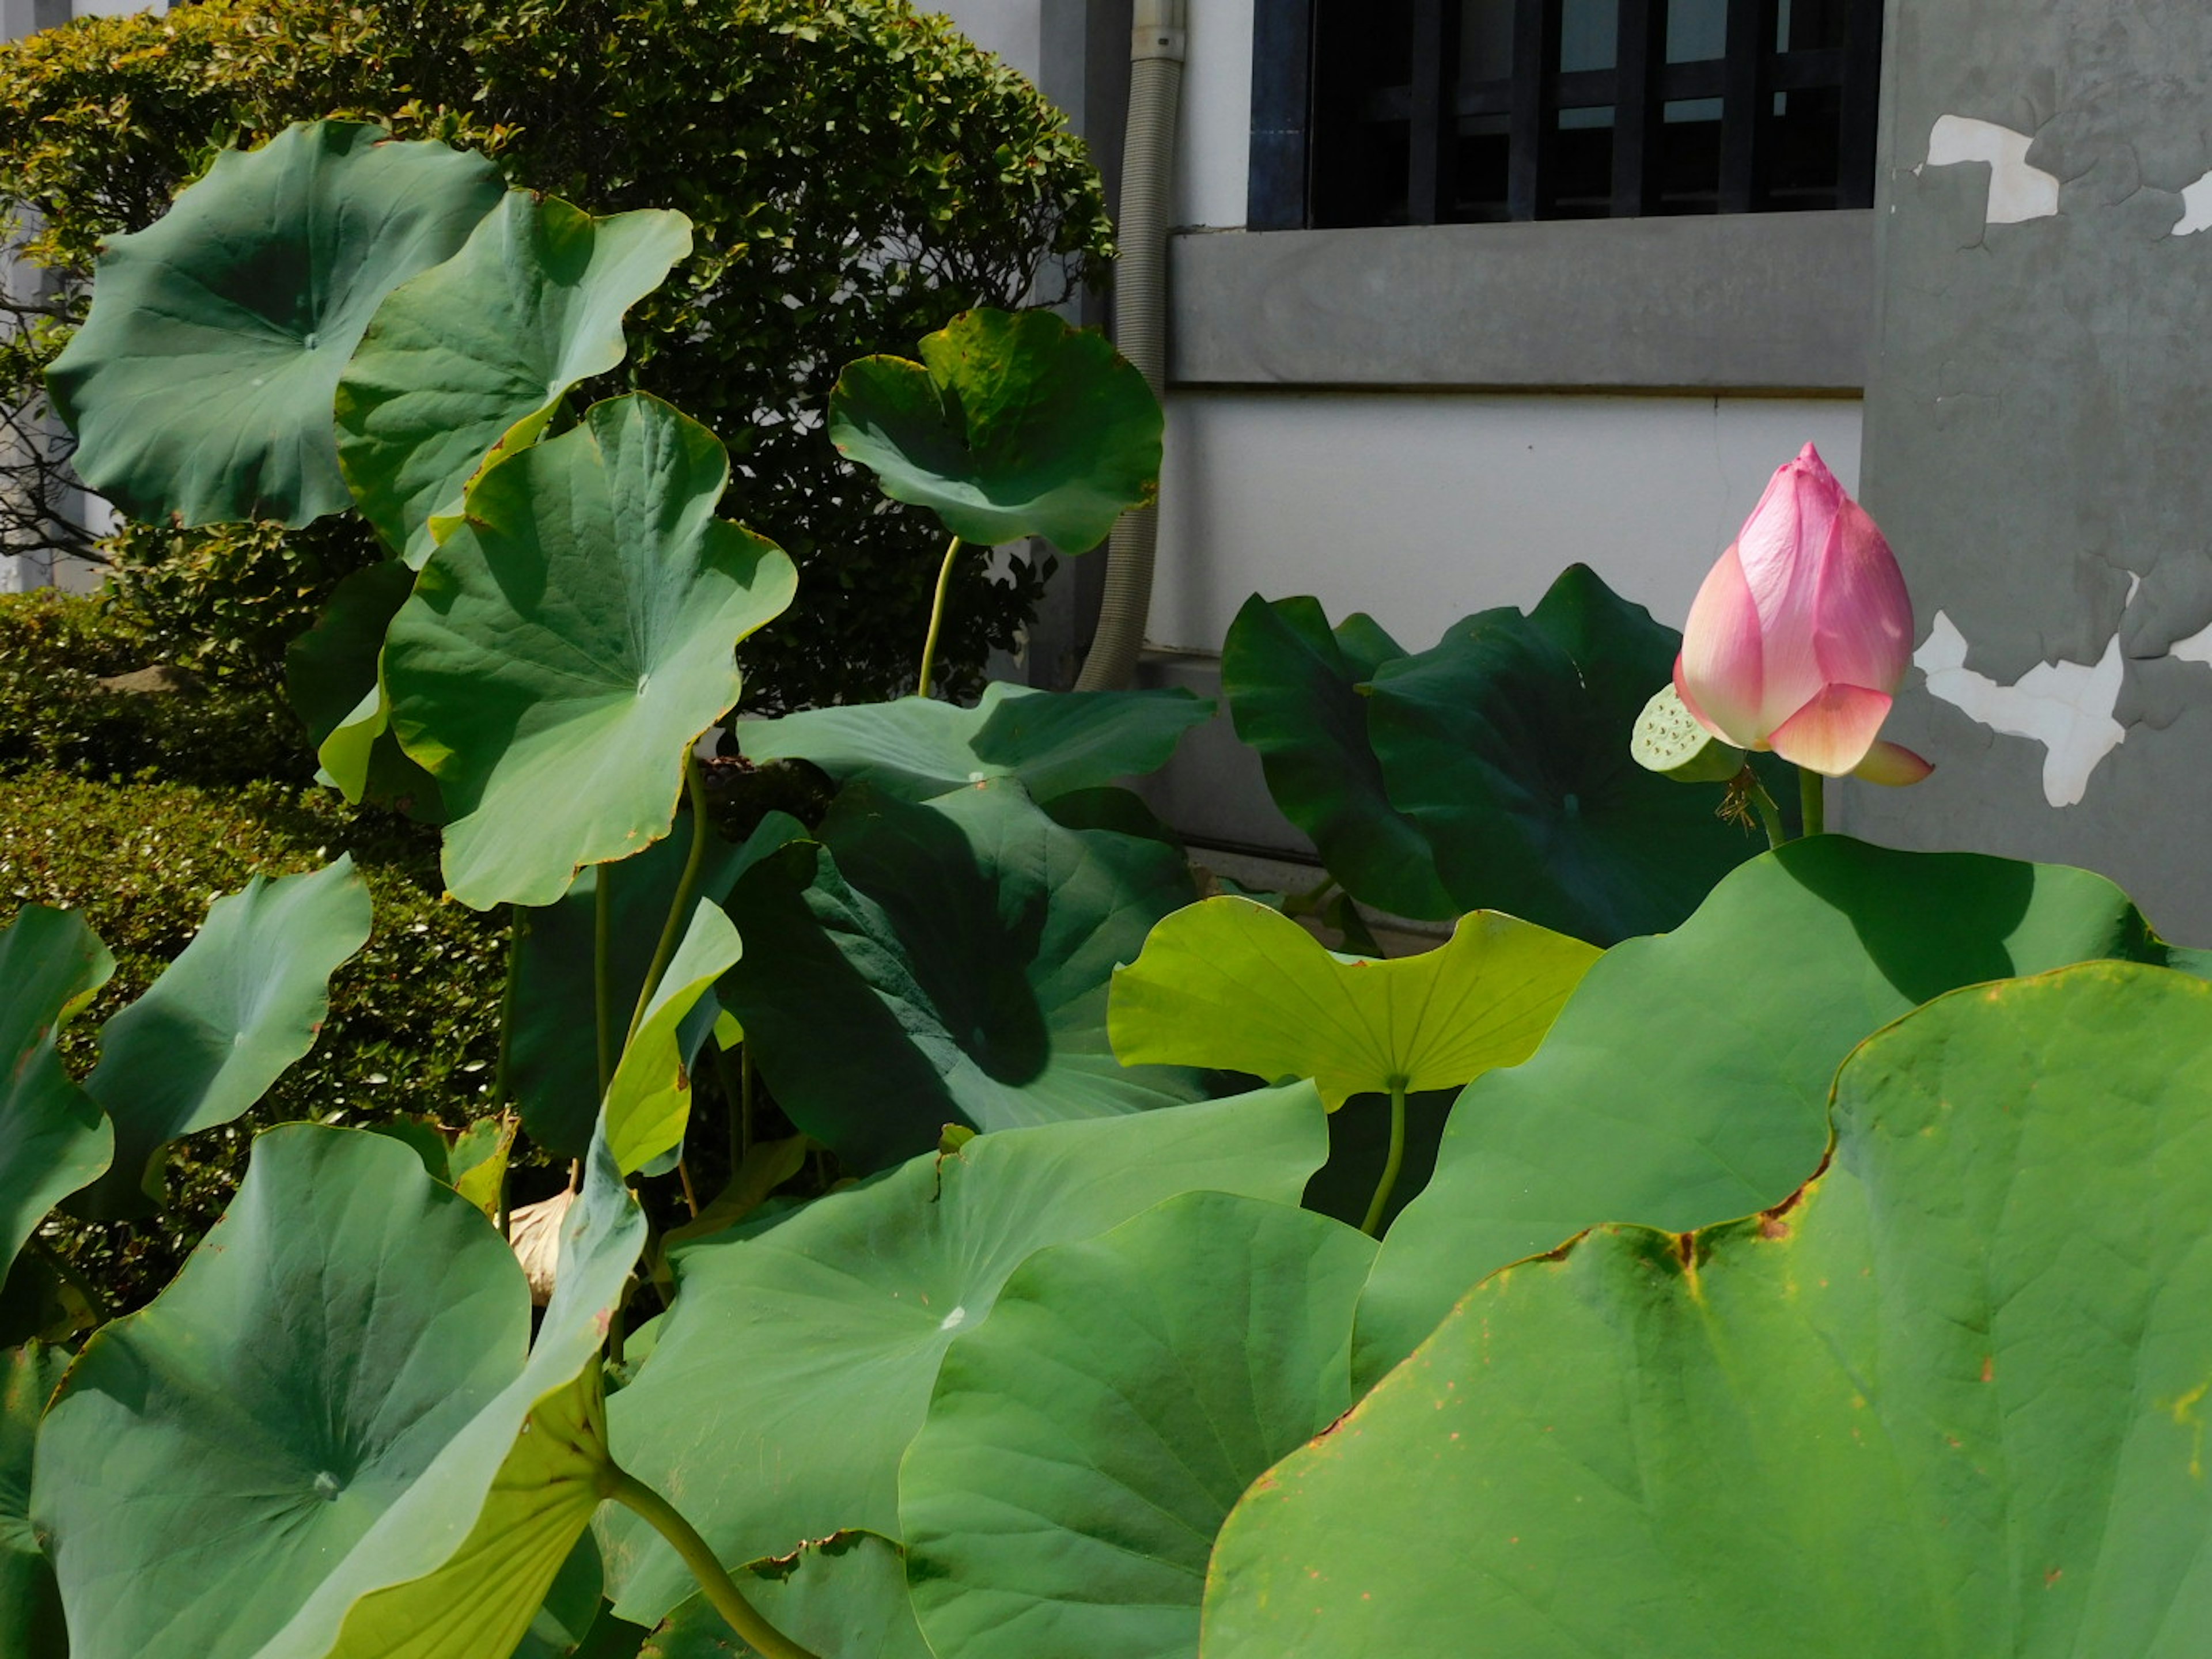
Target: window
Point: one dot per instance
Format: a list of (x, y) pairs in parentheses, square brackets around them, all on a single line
[(1439, 111)]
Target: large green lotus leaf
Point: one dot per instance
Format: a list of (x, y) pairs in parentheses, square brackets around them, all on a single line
[(1294, 689), (31, 1625), (554, 1061), (1086, 1440), (1232, 984), (568, 645), (960, 951), (312, 1444), (1507, 745), (843, 1595), (200, 385), (1685, 1082), (649, 1101), (330, 675), (1951, 1404), (54, 1139), (474, 354), (224, 1021), (1012, 424), (1054, 743), (796, 1364)]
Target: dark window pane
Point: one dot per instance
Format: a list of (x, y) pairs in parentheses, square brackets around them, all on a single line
[(1362, 59), (1479, 179), (1485, 40), (1690, 156), (1696, 30), (1589, 33), (1810, 25), (1802, 149), (1582, 164)]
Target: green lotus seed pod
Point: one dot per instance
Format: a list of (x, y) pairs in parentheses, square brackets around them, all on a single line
[(1668, 739)]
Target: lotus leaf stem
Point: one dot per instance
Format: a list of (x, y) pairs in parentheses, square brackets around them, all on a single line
[(1813, 800), (936, 618), (1373, 1226), (679, 912), (722, 1589), (603, 1000), (1770, 815)]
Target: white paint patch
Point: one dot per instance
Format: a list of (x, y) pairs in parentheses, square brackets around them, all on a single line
[(2197, 647), (2067, 706), (2018, 192), (2196, 208), (953, 1321)]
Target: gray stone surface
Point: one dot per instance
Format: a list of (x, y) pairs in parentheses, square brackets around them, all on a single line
[(1773, 302), (2036, 427)]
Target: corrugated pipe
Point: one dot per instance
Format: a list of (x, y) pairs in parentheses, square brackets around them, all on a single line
[(1140, 317)]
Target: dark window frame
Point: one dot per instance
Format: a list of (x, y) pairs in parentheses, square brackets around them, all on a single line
[(1280, 181)]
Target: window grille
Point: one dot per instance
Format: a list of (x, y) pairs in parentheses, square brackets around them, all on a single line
[(1437, 112)]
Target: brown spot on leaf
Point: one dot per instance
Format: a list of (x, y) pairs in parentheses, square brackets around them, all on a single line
[(1989, 1368)]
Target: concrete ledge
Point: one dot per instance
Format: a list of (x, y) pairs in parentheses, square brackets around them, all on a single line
[(1780, 302)]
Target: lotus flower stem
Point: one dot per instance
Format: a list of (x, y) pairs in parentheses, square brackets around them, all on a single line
[(1812, 797), (679, 912), (1373, 1226), (603, 1000), (936, 619), (722, 1589), (1770, 815)]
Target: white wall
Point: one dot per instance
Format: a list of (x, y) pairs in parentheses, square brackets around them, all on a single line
[(1420, 508), (1217, 115), (1010, 28)]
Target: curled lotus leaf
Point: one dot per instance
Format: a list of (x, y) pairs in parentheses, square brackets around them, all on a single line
[(200, 387), (1012, 424), (472, 357), (54, 1139), (566, 647)]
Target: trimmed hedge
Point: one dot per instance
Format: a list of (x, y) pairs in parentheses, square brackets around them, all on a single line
[(856, 172), (413, 1027)]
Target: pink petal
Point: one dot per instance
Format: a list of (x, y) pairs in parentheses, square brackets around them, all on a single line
[(1864, 634), (1892, 763), (1832, 733), (1718, 675), (1780, 548)]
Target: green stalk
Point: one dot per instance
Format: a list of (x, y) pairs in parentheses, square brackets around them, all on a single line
[(1770, 815), (722, 1589), (734, 1111), (501, 1078), (936, 619), (1811, 801), (1373, 1226), (603, 990), (679, 912)]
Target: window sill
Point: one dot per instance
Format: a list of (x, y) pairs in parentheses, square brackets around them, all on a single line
[(1748, 303)]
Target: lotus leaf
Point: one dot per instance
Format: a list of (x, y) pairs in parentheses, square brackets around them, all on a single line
[(1086, 1442), (53, 1139), (1508, 745), (796, 1364), (223, 1021), (568, 645), (200, 387), (312, 1445), (1012, 424), (330, 674), (649, 1101), (1055, 743), (554, 1062), (960, 951), (1950, 1402), (1296, 690), (1685, 1081), (1232, 984), (474, 356), (31, 1625)]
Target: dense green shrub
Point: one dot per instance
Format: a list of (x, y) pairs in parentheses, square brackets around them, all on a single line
[(856, 173), (413, 1026), (56, 649)]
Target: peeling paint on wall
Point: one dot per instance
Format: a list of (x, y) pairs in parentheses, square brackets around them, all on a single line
[(2018, 192), (2067, 706), (2196, 208)]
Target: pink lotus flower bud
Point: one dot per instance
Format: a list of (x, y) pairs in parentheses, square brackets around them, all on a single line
[(1802, 633)]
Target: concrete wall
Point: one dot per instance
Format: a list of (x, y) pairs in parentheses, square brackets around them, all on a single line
[(2036, 416)]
